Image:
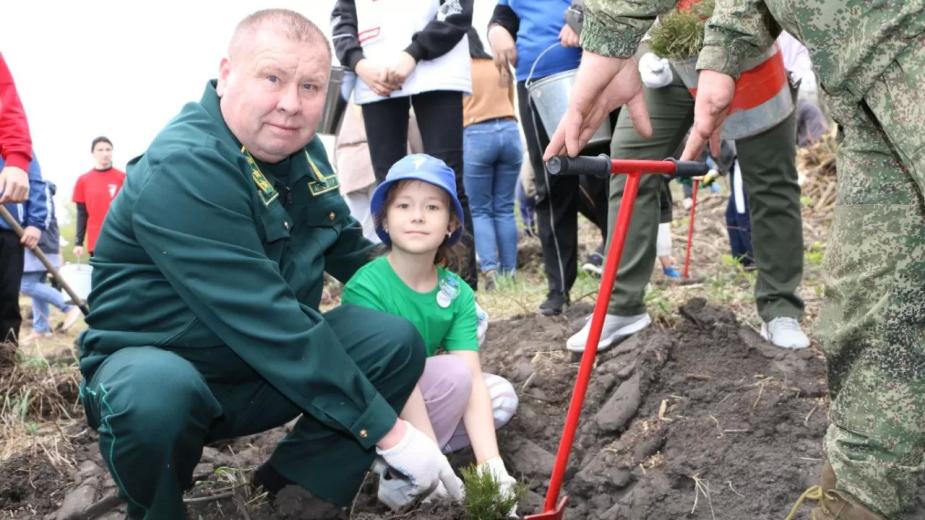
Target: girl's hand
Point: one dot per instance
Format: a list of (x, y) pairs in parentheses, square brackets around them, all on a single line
[(373, 76), (399, 70), (568, 37), (503, 47)]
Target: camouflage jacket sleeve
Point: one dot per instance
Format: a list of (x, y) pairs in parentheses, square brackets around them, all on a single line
[(738, 31), (615, 27)]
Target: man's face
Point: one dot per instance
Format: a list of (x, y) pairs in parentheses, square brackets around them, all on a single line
[(272, 93), (102, 155)]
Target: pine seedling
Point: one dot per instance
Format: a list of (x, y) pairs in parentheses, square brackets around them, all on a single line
[(483, 496)]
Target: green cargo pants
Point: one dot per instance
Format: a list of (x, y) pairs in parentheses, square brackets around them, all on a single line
[(873, 323), (154, 410), (770, 180)]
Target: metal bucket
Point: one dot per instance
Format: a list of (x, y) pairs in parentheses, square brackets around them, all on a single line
[(550, 96), (78, 276), (762, 98), (340, 87)]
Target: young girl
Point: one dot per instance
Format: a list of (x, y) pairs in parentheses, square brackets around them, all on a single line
[(418, 218)]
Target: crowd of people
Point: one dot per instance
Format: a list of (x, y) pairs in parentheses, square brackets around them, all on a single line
[(238, 186)]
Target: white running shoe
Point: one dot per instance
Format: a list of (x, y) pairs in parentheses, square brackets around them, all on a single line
[(784, 332), (615, 328)]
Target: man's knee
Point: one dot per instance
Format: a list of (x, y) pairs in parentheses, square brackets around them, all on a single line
[(406, 347), (150, 394)]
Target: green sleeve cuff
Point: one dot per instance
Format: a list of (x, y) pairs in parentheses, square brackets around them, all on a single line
[(374, 423), (717, 58), (618, 41)]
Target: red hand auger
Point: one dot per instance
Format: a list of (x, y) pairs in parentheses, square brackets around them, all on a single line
[(600, 166)]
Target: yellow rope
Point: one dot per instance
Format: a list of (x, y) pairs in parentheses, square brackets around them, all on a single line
[(813, 493)]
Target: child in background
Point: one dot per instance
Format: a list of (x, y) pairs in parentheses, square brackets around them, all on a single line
[(418, 217)]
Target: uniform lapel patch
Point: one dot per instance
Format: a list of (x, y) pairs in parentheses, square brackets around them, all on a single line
[(320, 183), (264, 187), (266, 190)]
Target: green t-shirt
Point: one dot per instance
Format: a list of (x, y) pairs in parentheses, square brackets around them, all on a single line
[(445, 317)]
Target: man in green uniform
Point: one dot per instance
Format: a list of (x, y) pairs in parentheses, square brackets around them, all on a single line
[(768, 170), (871, 66), (207, 280)]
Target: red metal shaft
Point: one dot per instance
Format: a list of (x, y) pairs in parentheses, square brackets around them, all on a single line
[(690, 231), (608, 279)]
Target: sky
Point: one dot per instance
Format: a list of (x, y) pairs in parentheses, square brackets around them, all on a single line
[(121, 69)]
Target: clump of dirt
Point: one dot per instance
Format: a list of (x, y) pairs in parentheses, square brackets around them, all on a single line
[(30, 486), (7, 357), (700, 419)]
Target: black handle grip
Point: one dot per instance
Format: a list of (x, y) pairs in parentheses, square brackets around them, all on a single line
[(583, 165), (689, 169)]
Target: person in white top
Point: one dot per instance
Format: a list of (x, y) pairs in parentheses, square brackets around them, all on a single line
[(410, 53)]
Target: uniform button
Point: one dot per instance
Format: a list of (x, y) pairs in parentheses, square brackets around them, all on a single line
[(285, 224), (331, 215), (363, 433)]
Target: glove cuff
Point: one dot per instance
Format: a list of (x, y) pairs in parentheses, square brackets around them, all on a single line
[(402, 444)]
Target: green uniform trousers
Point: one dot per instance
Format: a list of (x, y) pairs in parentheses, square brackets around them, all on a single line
[(873, 323), (770, 179), (155, 408)]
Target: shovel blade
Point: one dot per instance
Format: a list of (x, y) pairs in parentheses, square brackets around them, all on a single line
[(556, 514)]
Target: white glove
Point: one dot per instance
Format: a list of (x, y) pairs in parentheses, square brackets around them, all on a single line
[(654, 72), (506, 483), (418, 459)]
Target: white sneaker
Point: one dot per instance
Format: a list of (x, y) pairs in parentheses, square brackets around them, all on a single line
[(615, 328), (784, 332)]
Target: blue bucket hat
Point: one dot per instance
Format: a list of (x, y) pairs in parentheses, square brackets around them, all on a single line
[(419, 167)]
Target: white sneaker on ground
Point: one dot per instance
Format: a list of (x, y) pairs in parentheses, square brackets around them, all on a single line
[(615, 328), (784, 332)]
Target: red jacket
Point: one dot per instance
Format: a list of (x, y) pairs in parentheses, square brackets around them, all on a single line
[(15, 142)]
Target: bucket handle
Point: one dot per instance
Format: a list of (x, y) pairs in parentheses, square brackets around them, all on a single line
[(537, 60)]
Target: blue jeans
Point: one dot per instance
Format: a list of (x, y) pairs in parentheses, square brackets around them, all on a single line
[(491, 165), (33, 285)]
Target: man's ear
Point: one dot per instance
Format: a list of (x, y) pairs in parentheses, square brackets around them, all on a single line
[(224, 71)]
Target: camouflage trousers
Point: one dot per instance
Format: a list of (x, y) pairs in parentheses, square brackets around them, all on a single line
[(873, 325)]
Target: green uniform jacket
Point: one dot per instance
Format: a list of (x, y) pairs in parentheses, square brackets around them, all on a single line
[(200, 252), (851, 41)]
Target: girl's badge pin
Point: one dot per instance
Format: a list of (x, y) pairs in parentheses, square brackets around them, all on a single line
[(448, 292)]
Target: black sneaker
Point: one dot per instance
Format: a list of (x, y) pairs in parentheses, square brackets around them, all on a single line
[(292, 501), (553, 304), (594, 264)]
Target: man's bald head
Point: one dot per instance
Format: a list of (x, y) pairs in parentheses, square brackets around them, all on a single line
[(288, 23)]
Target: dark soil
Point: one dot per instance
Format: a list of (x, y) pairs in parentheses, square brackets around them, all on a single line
[(701, 420)]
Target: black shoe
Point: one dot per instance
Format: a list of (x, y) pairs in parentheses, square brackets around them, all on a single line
[(293, 501), (553, 304)]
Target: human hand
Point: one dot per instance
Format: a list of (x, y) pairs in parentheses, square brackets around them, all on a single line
[(418, 458), (568, 37), (503, 48), (714, 94), (397, 72), (78, 251), (30, 236), (14, 184), (374, 76), (507, 485), (601, 85)]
